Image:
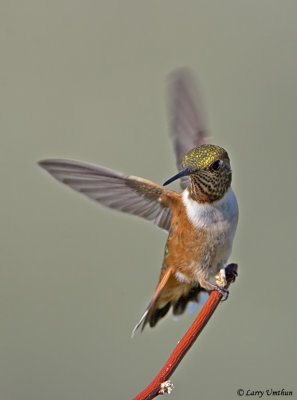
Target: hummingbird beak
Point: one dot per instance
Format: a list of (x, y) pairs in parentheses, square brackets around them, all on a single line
[(186, 171)]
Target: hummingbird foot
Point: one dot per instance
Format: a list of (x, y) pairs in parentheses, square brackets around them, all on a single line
[(218, 287), (222, 291)]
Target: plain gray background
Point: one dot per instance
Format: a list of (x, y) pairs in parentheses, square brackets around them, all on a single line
[(86, 80)]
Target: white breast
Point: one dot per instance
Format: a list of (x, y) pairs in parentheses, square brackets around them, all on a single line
[(218, 215), (219, 219)]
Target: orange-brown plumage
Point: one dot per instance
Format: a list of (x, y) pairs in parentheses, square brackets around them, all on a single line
[(185, 245)]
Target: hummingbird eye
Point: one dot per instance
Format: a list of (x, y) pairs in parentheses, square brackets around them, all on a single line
[(217, 165)]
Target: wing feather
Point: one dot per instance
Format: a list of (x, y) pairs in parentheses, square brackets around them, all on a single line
[(113, 189)]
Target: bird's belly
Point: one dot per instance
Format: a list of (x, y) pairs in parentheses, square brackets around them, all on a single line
[(204, 253), (204, 246), (215, 255)]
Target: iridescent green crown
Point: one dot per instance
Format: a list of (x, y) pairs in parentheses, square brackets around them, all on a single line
[(203, 156)]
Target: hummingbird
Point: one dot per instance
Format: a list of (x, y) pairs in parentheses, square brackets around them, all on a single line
[(200, 221)]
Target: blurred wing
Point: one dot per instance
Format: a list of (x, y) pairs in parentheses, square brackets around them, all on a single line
[(113, 189), (186, 123)]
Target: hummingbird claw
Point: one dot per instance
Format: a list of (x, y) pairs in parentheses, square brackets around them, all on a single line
[(223, 292)]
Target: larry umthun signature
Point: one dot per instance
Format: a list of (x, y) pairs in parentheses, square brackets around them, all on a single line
[(261, 393)]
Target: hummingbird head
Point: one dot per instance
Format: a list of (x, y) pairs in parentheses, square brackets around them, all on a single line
[(208, 167)]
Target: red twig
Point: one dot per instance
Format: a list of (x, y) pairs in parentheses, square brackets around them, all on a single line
[(158, 384)]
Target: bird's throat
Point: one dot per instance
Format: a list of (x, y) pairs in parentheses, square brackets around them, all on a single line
[(204, 190)]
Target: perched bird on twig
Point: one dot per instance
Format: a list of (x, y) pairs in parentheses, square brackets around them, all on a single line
[(200, 221)]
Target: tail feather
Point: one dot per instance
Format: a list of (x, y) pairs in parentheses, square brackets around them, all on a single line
[(139, 323), (146, 315), (169, 292), (156, 314), (181, 304)]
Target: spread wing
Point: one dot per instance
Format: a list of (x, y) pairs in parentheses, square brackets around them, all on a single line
[(186, 123), (113, 189)]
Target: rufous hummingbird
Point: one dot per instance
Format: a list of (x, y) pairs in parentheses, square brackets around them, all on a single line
[(200, 221)]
